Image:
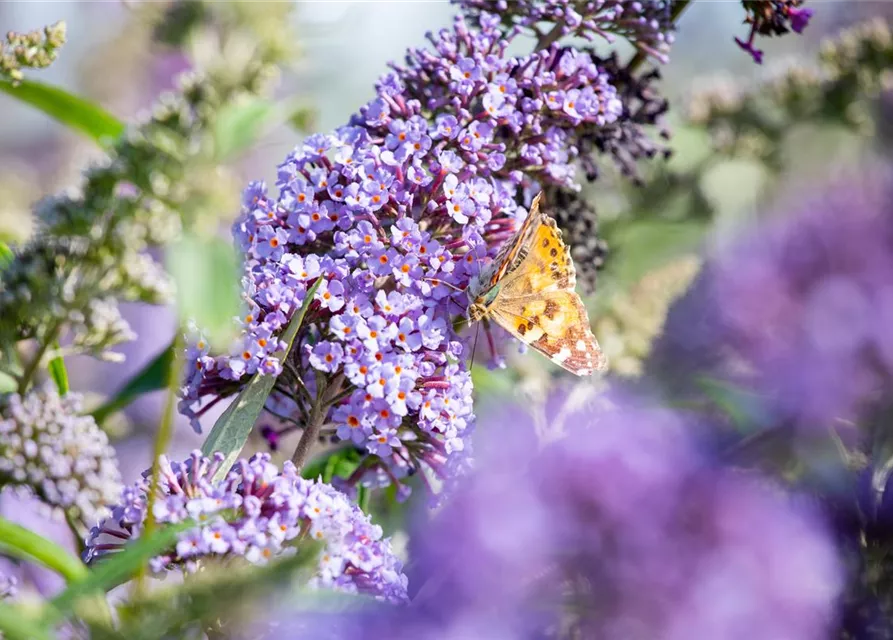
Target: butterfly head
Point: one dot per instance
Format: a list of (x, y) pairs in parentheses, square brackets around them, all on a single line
[(479, 302), (476, 311)]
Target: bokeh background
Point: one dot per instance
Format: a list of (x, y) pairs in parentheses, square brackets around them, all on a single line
[(342, 48)]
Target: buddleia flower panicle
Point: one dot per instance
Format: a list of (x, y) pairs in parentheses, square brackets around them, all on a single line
[(633, 319), (96, 243), (257, 513), (49, 450), (396, 211), (772, 18), (646, 24), (31, 50)]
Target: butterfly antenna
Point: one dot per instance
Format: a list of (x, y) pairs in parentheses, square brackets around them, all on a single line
[(439, 281)]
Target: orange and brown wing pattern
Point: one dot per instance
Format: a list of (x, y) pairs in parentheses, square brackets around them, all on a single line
[(555, 324), (547, 265), (515, 250), (537, 303)]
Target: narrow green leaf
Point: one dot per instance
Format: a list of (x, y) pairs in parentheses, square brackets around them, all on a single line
[(120, 567), (59, 373), (150, 378), (19, 542), (241, 124), (16, 624), (71, 110), (206, 272), (230, 432), (743, 407), (6, 254)]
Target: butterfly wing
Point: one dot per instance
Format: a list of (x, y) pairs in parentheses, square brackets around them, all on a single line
[(538, 305), (515, 250), (546, 264), (555, 324)]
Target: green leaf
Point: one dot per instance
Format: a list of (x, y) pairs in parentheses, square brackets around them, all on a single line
[(150, 378), (19, 542), (71, 110), (231, 431), (239, 125), (16, 624), (220, 592), (206, 272), (120, 567), (6, 254), (337, 462), (58, 373), (744, 407)]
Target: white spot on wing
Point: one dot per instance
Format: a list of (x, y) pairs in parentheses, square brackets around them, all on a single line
[(562, 355)]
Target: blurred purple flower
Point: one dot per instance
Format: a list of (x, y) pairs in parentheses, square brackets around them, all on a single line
[(620, 529), (800, 311)]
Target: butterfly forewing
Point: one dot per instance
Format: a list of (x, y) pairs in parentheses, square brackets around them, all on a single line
[(515, 250), (547, 265)]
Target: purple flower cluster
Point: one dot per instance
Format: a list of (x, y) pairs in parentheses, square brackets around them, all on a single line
[(800, 311), (772, 18), (50, 451), (620, 529), (646, 24), (395, 213), (509, 117), (258, 513)]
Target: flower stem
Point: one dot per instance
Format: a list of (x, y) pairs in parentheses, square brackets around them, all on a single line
[(324, 398), (678, 8), (31, 369), (550, 38), (162, 441)]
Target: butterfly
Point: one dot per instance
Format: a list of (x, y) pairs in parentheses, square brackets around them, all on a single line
[(528, 290)]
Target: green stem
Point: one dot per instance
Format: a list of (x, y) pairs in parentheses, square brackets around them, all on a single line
[(161, 444), (550, 38), (318, 414), (678, 8), (76, 529), (19, 542), (32, 367)]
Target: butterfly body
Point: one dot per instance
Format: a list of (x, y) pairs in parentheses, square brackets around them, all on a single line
[(528, 290)]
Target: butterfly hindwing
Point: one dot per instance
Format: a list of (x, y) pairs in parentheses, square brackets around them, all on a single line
[(555, 324)]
